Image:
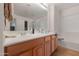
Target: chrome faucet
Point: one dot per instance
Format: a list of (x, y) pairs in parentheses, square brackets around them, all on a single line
[(33, 30)]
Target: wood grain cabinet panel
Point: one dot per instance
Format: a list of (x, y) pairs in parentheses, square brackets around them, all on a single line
[(39, 51), (26, 53), (52, 45), (47, 46), (55, 43)]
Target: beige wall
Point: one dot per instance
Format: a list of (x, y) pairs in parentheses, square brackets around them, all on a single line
[(70, 27)]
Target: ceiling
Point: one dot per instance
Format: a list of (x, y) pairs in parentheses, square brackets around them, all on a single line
[(32, 10)]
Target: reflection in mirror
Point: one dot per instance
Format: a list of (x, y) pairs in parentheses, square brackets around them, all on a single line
[(12, 25), (26, 25), (29, 17)]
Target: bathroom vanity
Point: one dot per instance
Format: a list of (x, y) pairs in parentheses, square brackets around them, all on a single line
[(39, 42), (33, 45)]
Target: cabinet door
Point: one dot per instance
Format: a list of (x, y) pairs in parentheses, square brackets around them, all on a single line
[(52, 45), (39, 50), (56, 43), (47, 48), (27, 53)]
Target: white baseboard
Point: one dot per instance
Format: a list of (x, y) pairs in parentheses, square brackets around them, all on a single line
[(70, 45)]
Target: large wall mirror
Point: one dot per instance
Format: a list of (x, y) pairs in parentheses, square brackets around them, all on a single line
[(25, 15)]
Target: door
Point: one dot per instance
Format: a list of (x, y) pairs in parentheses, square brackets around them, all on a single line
[(39, 50)]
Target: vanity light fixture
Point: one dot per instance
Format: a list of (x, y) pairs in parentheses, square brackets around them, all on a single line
[(42, 5), (45, 4)]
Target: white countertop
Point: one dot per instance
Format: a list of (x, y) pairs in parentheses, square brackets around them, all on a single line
[(10, 41)]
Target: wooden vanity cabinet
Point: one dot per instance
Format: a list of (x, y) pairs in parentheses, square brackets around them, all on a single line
[(43, 46), (23, 48)]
